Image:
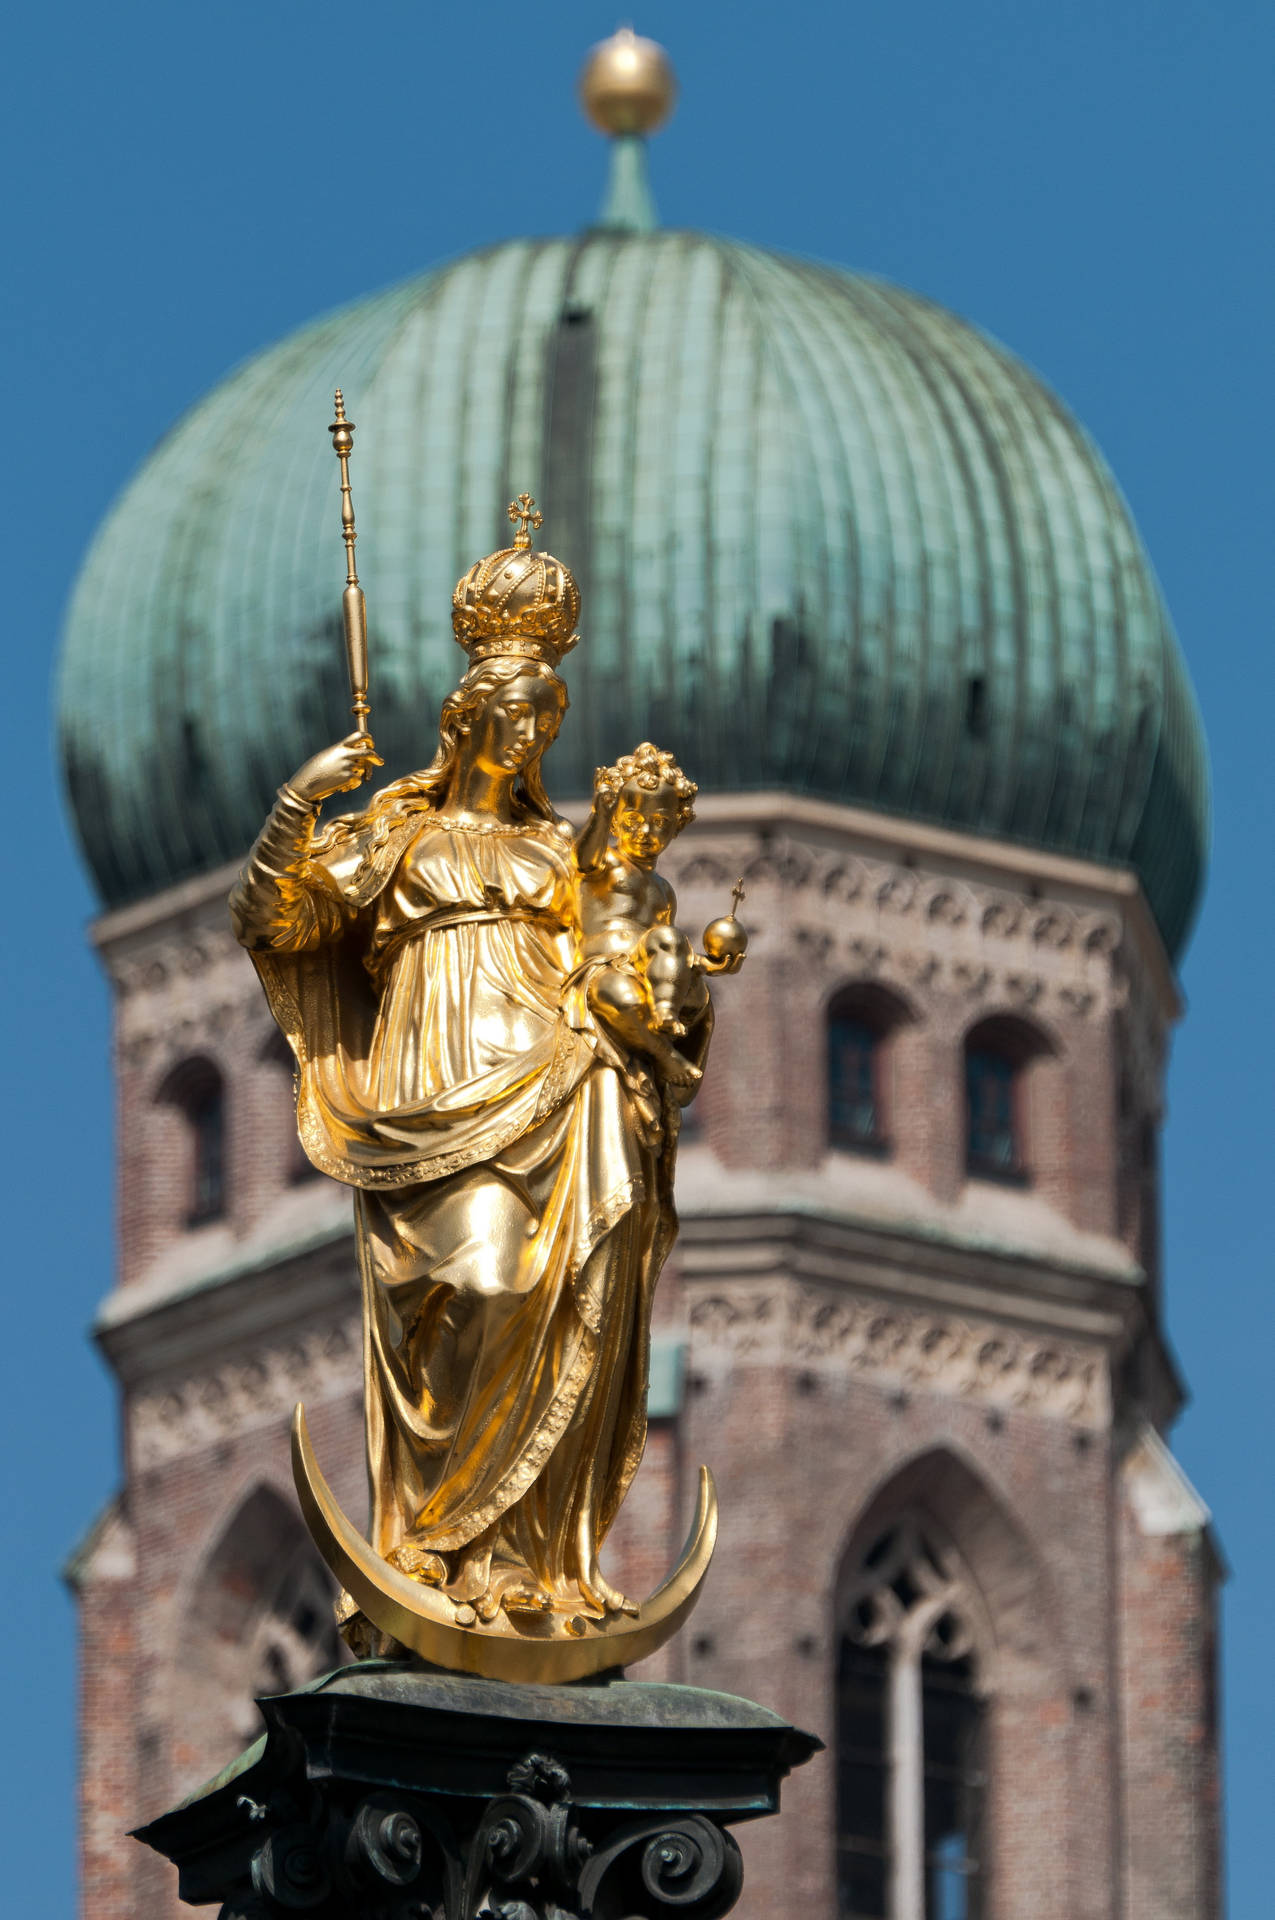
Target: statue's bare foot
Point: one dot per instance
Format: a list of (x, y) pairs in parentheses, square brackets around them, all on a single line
[(527, 1599), (419, 1563), (603, 1598), (664, 1020), (470, 1571)]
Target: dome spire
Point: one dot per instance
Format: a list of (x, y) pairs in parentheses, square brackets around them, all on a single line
[(628, 89)]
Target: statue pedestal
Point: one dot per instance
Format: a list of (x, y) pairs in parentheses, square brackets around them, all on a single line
[(406, 1793)]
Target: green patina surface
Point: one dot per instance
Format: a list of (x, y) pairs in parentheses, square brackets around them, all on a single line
[(830, 538)]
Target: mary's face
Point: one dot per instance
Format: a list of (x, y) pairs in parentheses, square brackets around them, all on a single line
[(516, 725)]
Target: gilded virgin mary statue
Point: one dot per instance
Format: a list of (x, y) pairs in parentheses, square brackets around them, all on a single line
[(495, 1023)]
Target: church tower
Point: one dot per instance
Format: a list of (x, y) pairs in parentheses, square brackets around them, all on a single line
[(872, 583)]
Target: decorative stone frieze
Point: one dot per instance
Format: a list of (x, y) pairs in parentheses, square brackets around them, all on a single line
[(143, 965), (895, 1346), (919, 930), (251, 1390)]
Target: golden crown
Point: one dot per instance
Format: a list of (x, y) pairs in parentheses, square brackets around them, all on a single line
[(517, 601)]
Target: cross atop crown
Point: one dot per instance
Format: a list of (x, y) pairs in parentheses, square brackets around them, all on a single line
[(523, 511)]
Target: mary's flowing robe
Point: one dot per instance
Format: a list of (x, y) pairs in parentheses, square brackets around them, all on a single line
[(513, 1198)]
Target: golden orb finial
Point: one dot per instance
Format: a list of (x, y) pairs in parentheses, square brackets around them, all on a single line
[(627, 85)]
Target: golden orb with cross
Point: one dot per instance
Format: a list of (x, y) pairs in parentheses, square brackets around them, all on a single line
[(517, 601)]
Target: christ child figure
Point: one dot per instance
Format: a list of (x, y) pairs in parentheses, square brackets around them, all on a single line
[(643, 979)]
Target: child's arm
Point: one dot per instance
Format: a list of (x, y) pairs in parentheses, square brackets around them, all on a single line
[(591, 841)]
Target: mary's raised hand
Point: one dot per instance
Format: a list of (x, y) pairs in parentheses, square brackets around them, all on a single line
[(337, 769)]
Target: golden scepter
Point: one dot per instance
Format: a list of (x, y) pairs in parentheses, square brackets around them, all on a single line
[(353, 605)]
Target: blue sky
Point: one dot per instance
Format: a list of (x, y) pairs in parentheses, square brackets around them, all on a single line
[(1090, 182)]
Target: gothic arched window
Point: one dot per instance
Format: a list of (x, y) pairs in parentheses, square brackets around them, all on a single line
[(997, 1055), (198, 1092), (910, 1737), (860, 1022)]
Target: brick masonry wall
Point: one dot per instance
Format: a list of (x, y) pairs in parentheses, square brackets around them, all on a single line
[(105, 1581), (1167, 1664)]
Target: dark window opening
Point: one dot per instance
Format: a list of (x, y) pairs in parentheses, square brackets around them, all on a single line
[(206, 1115), (854, 1098), (1000, 1054), (862, 1852), (859, 1035), (952, 1715), (954, 1787), (991, 1108), (196, 1089)]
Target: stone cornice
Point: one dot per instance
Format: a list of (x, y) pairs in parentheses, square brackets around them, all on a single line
[(143, 1333), (799, 1287), (159, 909), (1034, 1294)]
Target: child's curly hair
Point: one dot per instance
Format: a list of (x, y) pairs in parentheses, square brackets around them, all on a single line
[(649, 767)]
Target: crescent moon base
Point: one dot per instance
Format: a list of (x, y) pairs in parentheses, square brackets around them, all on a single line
[(423, 1620)]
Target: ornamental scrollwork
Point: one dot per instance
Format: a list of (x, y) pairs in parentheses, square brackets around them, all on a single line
[(673, 1866), (526, 1856)]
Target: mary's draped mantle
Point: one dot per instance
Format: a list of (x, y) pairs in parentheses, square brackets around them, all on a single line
[(513, 1206)]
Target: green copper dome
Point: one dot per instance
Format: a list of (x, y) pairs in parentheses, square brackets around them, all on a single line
[(829, 538)]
